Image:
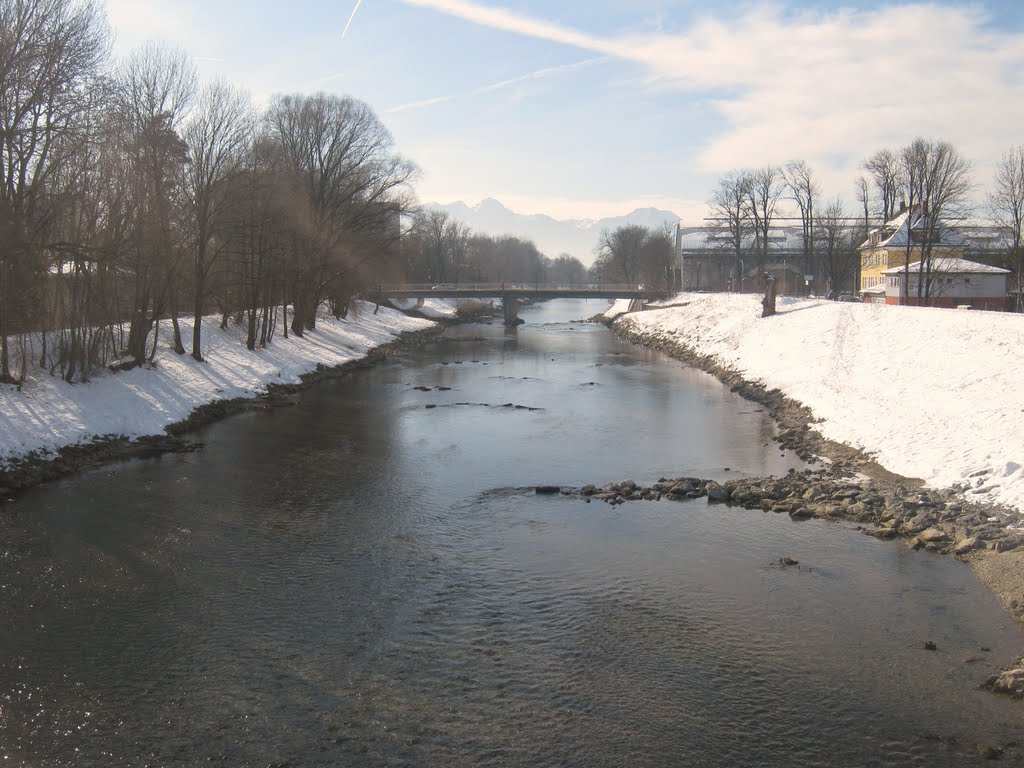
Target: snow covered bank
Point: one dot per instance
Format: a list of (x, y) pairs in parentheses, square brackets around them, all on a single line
[(931, 393), (49, 413)]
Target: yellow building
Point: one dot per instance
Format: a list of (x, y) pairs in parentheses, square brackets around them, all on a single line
[(886, 247)]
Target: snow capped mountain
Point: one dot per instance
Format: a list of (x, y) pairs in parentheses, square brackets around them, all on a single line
[(577, 237)]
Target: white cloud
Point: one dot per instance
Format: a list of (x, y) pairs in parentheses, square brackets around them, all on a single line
[(499, 18), (815, 85)]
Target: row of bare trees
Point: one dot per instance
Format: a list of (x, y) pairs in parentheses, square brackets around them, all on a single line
[(934, 181), (746, 206), (931, 179), (128, 194), (439, 250), (635, 254)]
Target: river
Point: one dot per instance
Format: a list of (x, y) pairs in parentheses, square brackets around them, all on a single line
[(368, 578)]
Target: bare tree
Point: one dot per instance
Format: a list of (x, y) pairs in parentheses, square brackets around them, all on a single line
[(805, 191), (731, 224), (87, 194), (157, 85), (656, 258), (50, 51), (864, 198), (1006, 207), (218, 134), (887, 172), (351, 190), (765, 188), (431, 226), (257, 228), (939, 183), (619, 252), (566, 269), (837, 246)]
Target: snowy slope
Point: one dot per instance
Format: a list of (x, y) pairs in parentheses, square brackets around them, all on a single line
[(933, 393), (49, 413)]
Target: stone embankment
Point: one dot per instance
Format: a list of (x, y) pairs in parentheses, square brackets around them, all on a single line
[(937, 521), (1010, 681)]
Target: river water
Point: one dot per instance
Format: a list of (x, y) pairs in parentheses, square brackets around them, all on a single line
[(364, 579)]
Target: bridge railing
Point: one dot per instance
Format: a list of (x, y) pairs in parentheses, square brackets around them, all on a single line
[(510, 286)]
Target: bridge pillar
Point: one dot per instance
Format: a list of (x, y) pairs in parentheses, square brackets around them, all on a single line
[(511, 307)]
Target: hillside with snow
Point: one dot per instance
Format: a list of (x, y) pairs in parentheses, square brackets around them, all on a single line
[(935, 394), (48, 413)]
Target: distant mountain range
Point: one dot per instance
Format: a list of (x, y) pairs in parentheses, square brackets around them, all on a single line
[(577, 237)]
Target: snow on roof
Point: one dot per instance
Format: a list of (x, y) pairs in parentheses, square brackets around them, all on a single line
[(708, 238), (894, 232), (986, 236), (950, 265)]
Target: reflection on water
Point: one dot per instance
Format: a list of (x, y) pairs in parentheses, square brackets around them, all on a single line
[(360, 580)]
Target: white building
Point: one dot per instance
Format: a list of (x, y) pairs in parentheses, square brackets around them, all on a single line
[(953, 283)]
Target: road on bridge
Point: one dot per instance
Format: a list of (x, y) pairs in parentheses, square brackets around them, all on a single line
[(518, 291)]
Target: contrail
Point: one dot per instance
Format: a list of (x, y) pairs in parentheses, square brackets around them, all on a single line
[(349, 23), (535, 75)]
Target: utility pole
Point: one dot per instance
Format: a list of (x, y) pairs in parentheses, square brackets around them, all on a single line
[(679, 255)]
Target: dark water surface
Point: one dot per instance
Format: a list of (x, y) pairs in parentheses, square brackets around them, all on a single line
[(363, 580)]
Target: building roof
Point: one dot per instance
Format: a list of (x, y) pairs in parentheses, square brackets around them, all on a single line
[(986, 237), (782, 239), (949, 266), (894, 233)]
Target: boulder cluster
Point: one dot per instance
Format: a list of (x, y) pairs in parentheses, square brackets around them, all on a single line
[(938, 521), (1010, 681)]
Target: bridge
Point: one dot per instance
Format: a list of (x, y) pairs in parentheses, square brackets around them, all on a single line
[(512, 293)]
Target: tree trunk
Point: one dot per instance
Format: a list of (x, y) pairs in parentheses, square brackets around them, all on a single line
[(138, 332), (250, 337), (156, 337), (197, 328), (768, 302), (179, 348)]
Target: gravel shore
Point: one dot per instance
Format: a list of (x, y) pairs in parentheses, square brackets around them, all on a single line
[(853, 487)]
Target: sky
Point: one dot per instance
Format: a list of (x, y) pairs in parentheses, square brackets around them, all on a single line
[(592, 108)]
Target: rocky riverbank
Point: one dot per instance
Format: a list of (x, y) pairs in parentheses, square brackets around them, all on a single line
[(853, 487)]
